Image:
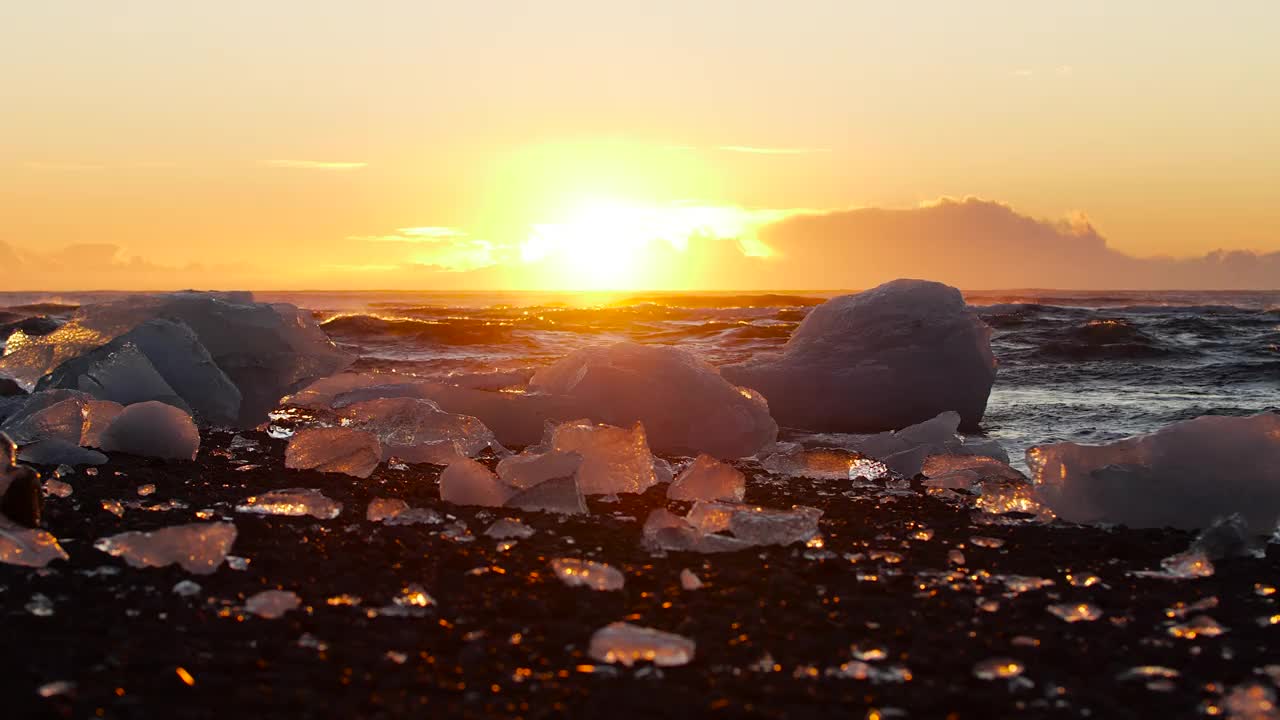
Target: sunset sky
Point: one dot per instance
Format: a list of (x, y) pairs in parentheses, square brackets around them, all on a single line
[(573, 144)]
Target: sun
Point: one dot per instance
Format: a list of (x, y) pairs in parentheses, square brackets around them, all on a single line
[(613, 244)]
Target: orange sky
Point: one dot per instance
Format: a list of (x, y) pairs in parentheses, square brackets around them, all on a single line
[(574, 144)]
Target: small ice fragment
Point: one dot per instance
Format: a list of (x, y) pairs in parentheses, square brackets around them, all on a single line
[(761, 526), (467, 482), (1017, 584), (689, 581), (537, 465), (56, 688), (1183, 566), (824, 464), (1182, 609), (114, 507), (292, 502), (986, 542), (145, 490), (998, 668), (558, 495), (614, 460), (272, 604), (1228, 537), (955, 557), (508, 528), (197, 547), (311, 642), (870, 654), (587, 573), (28, 547), (1083, 579), (333, 450), (238, 563), (186, 588), (40, 605), (1148, 672), (1197, 627), (153, 429), (57, 488), (397, 512), (708, 479), (1251, 701), (628, 644), (412, 600), (1075, 612)]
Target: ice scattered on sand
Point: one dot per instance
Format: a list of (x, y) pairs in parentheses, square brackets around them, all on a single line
[(537, 465), (40, 605), (292, 502), (968, 472), (153, 429), (628, 644), (56, 488), (558, 495), (397, 512), (418, 431), (708, 479), (998, 668), (56, 688), (1199, 626), (198, 548), (750, 526), (509, 528), (467, 482), (1251, 701), (28, 547), (614, 460), (411, 601), (986, 542), (690, 581), (886, 358), (187, 588), (762, 526), (272, 604), (587, 573), (1185, 475), (333, 450), (684, 404), (1075, 612), (823, 464)]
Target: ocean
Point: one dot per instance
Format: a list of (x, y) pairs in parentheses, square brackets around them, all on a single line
[(1085, 367)]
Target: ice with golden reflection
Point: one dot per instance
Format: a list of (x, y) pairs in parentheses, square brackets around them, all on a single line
[(629, 644)]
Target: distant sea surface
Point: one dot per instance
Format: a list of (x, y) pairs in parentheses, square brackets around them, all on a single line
[(1081, 366)]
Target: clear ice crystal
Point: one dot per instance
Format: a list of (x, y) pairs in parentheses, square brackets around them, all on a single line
[(467, 482), (333, 450), (292, 502), (272, 604), (153, 429), (198, 548), (588, 573), (614, 460), (708, 479), (628, 644), (392, 511)]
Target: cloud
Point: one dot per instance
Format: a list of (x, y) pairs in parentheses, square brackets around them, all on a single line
[(105, 266), (428, 235), (314, 164), (755, 150), (979, 244)]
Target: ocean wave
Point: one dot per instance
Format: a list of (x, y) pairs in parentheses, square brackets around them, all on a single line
[(1104, 339), (454, 331)]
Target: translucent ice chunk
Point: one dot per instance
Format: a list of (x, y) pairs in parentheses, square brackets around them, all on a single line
[(690, 581), (333, 450), (537, 465), (557, 495), (57, 415), (405, 424), (98, 416), (1185, 475), (509, 528), (398, 512), (467, 482), (1075, 612), (819, 463), (28, 547), (153, 429), (682, 401), (761, 526), (967, 472), (998, 668), (293, 502), (897, 354), (708, 479), (198, 547), (272, 604), (59, 452), (587, 573), (119, 373), (628, 644), (614, 460)]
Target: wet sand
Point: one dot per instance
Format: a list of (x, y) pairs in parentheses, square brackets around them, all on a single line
[(506, 638)]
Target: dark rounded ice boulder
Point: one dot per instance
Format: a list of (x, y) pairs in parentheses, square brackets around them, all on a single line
[(883, 359)]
